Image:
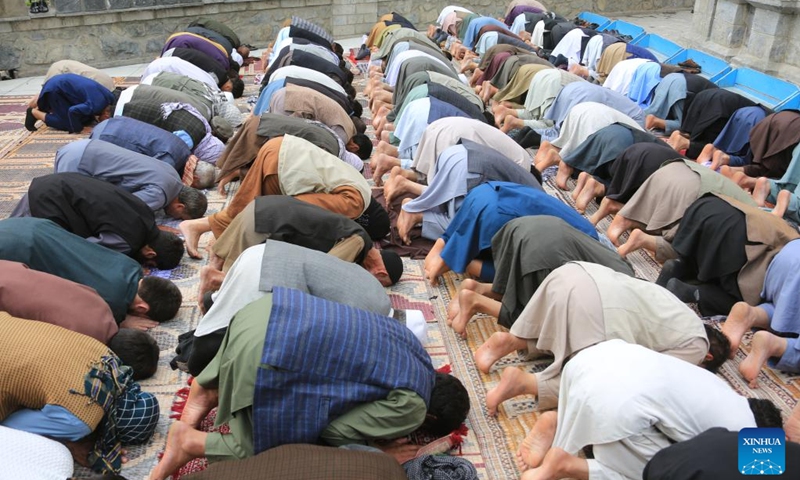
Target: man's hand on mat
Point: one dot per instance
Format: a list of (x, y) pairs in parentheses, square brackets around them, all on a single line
[(401, 449), (139, 323)]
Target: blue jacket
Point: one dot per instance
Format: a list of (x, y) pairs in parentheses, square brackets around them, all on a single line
[(72, 101)]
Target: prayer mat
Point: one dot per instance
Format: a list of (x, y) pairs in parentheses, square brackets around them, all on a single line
[(12, 122)]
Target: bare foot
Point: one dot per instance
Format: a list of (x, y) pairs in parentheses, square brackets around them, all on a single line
[(741, 319), (385, 147), (210, 281), (541, 153), (496, 347), (500, 111), (467, 300), (726, 171), (706, 154), (678, 141), (761, 191), (434, 265), (607, 206), (591, 190), (719, 159), (388, 188), (792, 425), (200, 402), (765, 345), (181, 448), (406, 221), (382, 164), (747, 183), (538, 441), (513, 383), (652, 122), (782, 203), (547, 159), (455, 303), (637, 240), (564, 172), (582, 178), (401, 186), (191, 231), (618, 226), (558, 464), (510, 122)]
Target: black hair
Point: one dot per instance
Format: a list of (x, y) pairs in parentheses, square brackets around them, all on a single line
[(765, 413), (137, 350), (718, 346), (361, 127), (350, 91), (364, 145), (348, 75), (193, 201), (237, 87), (358, 109), (449, 406), (233, 69), (162, 296), (169, 250), (337, 49)]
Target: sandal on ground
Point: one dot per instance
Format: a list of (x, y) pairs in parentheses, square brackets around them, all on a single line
[(43, 8), (34, 7)]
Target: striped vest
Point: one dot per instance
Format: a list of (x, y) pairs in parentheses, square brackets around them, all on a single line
[(326, 359)]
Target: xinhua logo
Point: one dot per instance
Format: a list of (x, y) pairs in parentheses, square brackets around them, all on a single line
[(762, 451)]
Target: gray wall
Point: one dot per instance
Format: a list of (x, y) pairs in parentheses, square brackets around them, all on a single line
[(107, 33), (762, 34)]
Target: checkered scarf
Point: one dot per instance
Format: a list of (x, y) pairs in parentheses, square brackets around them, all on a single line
[(440, 467), (210, 147), (130, 415)]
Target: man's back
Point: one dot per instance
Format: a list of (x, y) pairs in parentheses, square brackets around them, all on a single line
[(42, 364), (143, 138), (46, 247), (619, 390), (91, 208), (155, 183)]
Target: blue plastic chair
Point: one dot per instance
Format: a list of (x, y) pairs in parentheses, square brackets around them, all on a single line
[(634, 31), (712, 67), (659, 46), (759, 87), (590, 17)]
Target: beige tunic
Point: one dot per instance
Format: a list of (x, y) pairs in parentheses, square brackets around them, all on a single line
[(581, 304), (305, 168), (662, 200), (446, 132), (78, 68)]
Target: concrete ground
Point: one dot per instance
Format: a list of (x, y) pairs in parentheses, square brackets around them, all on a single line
[(676, 26)]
